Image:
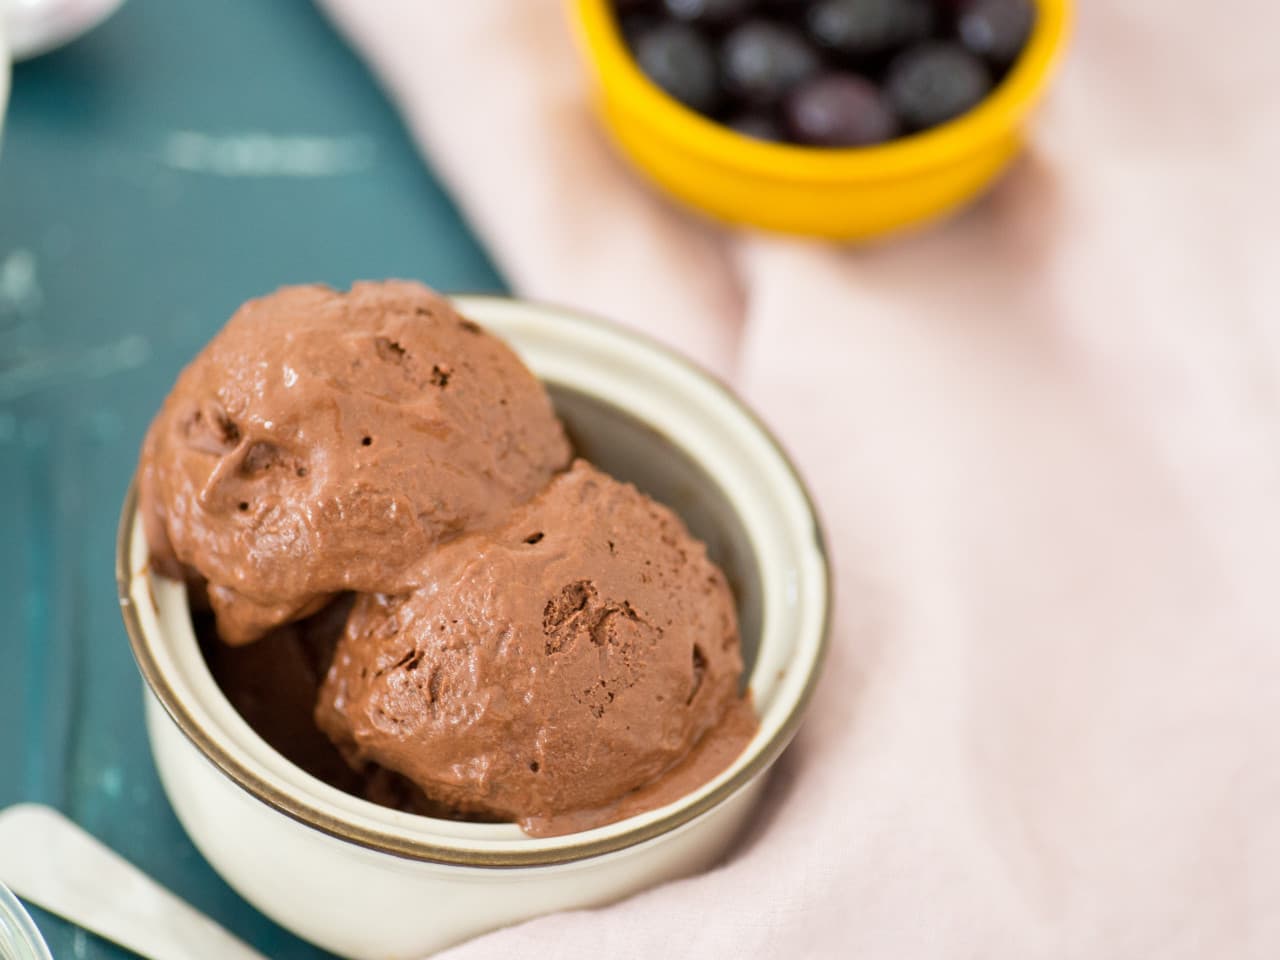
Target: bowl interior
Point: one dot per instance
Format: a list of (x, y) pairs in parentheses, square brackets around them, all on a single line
[(646, 416)]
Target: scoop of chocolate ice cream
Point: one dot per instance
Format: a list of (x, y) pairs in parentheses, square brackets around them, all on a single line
[(326, 441), (550, 666)]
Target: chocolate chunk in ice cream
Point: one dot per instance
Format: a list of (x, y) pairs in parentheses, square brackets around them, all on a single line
[(324, 442)]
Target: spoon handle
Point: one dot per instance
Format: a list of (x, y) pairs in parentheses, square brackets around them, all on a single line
[(48, 860)]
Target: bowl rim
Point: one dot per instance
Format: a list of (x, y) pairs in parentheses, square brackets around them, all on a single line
[(411, 848), (995, 117)]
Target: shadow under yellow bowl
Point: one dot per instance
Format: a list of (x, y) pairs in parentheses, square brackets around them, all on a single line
[(848, 194)]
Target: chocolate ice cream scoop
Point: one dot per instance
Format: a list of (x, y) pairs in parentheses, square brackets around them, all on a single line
[(544, 670), (327, 441)]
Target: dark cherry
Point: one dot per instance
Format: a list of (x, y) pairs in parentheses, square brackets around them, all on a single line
[(996, 29), (758, 125), (762, 61), (679, 59), (717, 12), (840, 110), (935, 82), (869, 28)]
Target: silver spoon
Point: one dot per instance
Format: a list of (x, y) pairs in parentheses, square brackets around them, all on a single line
[(48, 860)]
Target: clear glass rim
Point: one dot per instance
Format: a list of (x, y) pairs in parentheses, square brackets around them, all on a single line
[(19, 937)]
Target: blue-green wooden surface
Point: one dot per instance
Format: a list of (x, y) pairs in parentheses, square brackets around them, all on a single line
[(184, 156)]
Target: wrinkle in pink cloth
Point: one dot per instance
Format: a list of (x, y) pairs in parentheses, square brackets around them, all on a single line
[(1045, 440)]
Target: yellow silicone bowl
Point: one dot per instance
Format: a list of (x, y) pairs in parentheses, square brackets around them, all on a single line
[(851, 194)]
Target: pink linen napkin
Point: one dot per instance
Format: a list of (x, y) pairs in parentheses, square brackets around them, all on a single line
[(1044, 437)]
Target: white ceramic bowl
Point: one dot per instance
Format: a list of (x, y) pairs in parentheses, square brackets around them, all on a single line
[(369, 882)]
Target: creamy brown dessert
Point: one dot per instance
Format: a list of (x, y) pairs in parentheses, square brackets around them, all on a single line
[(372, 494), (546, 668), (325, 441)]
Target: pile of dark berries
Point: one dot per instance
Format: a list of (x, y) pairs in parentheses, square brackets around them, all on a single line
[(828, 73)]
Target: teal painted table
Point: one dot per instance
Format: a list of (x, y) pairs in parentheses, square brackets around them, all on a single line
[(154, 174)]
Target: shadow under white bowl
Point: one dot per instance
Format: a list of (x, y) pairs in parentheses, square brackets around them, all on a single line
[(365, 881)]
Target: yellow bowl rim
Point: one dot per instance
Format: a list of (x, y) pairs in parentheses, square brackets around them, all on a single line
[(997, 116)]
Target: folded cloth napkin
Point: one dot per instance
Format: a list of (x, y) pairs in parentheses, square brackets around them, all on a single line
[(1044, 437)]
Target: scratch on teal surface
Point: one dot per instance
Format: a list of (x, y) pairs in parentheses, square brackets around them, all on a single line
[(65, 718), (112, 782), (20, 291), (257, 154), (36, 608), (38, 372)]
